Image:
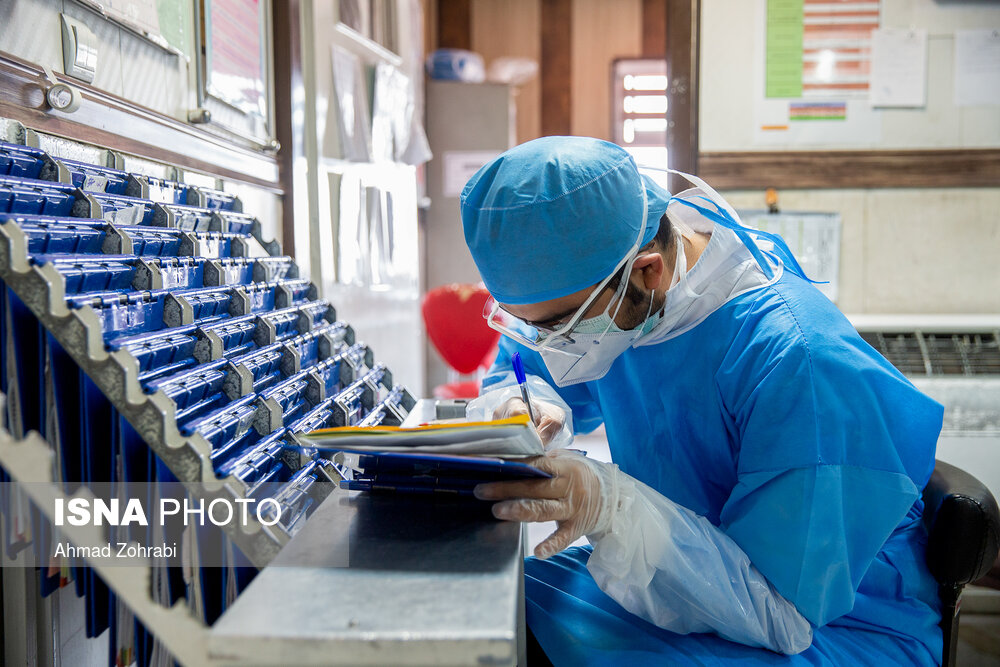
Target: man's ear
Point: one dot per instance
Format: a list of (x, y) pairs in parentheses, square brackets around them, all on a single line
[(649, 268)]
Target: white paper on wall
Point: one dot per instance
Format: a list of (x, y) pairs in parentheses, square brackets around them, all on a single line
[(813, 238), (898, 68), (977, 67)]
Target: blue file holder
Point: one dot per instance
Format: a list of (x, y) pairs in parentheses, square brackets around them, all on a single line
[(269, 269), (160, 190), (255, 371), (92, 273), (183, 217), (87, 177), (229, 271), (262, 464), (147, 240), (159, 349), (212, 244), (358, 399), (392, 409), (193, 386), (277, 325), (296, 496), (226, 337), (223, 427), (214, 199), (281, 403), (124, 312), (116, 209), (50, 234), (295, 291), (34, 197), (233, 222), (186, 306), (170, 273), (20, 161)]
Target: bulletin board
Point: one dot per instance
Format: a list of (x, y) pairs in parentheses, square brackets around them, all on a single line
[(827, 102)]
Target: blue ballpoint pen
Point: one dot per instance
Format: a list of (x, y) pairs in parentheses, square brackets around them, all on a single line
[(522, 382)]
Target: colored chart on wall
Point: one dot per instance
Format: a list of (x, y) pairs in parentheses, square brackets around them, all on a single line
[(235, 59), (819, 48)]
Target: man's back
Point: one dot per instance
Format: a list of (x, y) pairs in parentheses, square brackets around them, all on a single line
[(809, 451)]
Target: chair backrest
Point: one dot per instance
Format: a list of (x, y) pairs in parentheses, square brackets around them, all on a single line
[(963, 538), (453, 316), (963, 526)]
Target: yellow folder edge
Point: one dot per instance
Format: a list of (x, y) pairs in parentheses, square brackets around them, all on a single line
[(375, 430)]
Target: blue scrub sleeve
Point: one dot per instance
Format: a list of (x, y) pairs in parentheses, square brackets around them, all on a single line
[(834, 446)]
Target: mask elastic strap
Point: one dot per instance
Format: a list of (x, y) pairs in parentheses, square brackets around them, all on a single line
[(724, 207), (680, 260), (781, 249), (741, 232)]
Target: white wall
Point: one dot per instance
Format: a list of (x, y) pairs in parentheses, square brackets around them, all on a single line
[(388, 320), (903, 250)]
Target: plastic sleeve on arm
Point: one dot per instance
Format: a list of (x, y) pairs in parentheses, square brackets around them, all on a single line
[(504, 387), (673, 568)]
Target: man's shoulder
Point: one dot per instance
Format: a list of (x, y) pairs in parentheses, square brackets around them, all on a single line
[(790, 314)]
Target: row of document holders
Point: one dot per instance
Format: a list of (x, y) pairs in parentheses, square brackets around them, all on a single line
[(193, 306), (26, 162), (35, 197), (148, 316)]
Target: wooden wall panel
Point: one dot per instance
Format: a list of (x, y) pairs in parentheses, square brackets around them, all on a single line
[(683, 25), (512, 28), (852, 169), (454, 24), (654, 28), (557, 66), (602, 30)]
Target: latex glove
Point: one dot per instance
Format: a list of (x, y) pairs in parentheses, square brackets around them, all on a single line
[(553, 417), (574, 497), (548, 418)]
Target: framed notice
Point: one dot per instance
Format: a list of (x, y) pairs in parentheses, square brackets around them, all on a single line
[(236, 64)]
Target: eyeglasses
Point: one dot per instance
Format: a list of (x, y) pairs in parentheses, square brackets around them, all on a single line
[(537, 336)]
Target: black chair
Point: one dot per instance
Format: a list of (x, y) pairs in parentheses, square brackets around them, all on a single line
[(963, 528)]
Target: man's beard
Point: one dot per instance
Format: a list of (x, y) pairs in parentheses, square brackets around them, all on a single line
[(635, 307)]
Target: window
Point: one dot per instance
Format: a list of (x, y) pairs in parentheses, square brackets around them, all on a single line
[(639, 111)]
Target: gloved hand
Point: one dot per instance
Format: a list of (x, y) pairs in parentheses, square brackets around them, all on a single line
[(553, 418), (574, 497), (549, 418)]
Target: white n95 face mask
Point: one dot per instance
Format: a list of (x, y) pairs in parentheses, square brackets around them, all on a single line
[(595, 343), (588, 356)]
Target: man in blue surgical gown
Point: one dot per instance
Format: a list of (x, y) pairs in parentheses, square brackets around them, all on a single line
[(764, 501)]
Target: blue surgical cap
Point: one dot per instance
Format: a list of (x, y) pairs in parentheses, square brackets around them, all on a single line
[(556, 215)]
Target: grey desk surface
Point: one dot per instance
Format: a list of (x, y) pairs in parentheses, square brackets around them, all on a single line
[(400, 580)]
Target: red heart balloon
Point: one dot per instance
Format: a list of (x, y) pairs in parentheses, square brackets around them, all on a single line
[(453, 315)]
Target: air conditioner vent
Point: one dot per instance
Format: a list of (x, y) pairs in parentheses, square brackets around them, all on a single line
[(927, 354)]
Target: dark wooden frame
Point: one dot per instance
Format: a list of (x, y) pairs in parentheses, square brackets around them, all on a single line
[(454, 25), (932, 168), (557, 67), (683, 24), (289, 111)]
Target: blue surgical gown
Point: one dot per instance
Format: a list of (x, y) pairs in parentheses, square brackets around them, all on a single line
[(778, 423)]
